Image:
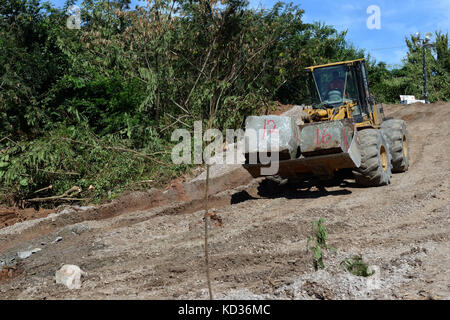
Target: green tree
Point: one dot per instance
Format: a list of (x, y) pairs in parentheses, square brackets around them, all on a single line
[(388, 85), (30, 63)]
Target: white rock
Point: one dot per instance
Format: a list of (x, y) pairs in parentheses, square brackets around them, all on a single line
[(57, 240), (26, 254), (70, 276)]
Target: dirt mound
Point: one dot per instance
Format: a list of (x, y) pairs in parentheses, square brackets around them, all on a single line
[(10, 216)]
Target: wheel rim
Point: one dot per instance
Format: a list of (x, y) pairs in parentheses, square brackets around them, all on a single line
[(405, 147), (384, 159)]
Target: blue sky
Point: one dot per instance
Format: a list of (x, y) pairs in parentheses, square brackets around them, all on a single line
[(399, 18)]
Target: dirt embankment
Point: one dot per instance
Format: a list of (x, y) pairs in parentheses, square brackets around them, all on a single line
[(149, 245), (10, 216)]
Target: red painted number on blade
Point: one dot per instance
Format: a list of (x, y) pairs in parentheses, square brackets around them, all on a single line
[(266, 124), (325, 137)]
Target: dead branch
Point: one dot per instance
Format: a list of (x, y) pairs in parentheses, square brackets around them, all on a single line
[(118, 149), (142, 181), (60, 172), (68, 196), (4, 138), (8, 138), (179, 106), (44, 189), (176, 121)]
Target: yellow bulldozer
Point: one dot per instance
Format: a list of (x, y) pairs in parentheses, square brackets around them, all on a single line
[(344, 129)]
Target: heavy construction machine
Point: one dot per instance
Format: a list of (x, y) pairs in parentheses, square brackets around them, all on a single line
[(344, 129)]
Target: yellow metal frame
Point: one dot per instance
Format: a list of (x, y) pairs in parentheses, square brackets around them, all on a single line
[(311, 68), (342, 112), (364, 124), (372, 120)]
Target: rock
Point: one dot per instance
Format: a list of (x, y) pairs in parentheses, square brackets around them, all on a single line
[(57, 240), (77, 229), (176, 269), (298, 113), (70, 276), (26, 254)]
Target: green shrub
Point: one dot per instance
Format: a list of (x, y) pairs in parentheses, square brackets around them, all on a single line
[(355, 265), (74, 156)]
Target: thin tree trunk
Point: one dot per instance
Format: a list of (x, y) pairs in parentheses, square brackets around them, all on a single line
[(208, 277)]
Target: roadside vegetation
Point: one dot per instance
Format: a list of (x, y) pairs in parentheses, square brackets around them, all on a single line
[(95, 107), (356, 266)]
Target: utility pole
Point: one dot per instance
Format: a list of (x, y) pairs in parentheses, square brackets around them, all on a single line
[(423, 42), (424, 63)]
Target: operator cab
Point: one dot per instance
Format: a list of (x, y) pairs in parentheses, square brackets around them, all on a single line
[(336, 84)]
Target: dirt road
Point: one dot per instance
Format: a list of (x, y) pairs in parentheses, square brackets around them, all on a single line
[(258, 239)]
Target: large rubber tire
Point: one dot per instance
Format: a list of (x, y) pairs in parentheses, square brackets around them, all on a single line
[(397, 135), (375, 169)]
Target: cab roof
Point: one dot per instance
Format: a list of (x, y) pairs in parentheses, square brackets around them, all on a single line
[(334, 64)]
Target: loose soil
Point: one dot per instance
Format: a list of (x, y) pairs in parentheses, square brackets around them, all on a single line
[(149, 245)]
